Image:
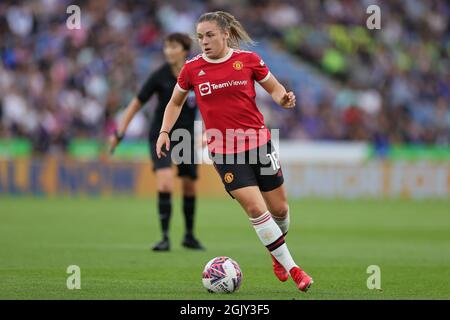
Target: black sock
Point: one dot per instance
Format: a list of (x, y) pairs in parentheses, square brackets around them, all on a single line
[(189, 209), (165, 211)]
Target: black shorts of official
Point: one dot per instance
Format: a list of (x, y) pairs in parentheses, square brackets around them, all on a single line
[(184, 169), (258, 167)]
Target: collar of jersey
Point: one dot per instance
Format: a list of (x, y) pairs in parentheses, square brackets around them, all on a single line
[(223, 59)]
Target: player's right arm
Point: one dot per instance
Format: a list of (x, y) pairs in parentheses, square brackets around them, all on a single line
[(148, 89), (133, 107), (171, 115)]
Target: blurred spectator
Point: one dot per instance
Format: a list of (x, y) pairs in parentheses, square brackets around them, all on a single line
[(404, 65)]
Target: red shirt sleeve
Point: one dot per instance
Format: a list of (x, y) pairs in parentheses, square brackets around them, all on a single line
[(183, 81), (261, 72)]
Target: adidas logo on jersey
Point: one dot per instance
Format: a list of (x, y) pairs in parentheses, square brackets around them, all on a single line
[(201, 73)]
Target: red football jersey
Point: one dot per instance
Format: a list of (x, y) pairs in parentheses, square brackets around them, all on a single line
[(225, 93)]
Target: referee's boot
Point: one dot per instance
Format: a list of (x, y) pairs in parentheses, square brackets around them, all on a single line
[(163, 245), (191, 243)]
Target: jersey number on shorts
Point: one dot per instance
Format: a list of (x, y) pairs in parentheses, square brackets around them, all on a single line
[(274, 160)]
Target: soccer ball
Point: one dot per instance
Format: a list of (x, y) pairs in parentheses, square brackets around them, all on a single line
[(222, 275)]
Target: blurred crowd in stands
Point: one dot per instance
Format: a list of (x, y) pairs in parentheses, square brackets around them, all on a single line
[(393, 84)]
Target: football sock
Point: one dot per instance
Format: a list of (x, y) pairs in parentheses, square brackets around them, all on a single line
[(165, 211), (189, 210), (271, 236), (283, 223)]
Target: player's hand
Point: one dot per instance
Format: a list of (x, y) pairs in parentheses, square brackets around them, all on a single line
[(288, 100), (114, 141), (163, 140)]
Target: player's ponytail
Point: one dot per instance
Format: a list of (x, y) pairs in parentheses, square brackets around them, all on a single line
[(227, 22)]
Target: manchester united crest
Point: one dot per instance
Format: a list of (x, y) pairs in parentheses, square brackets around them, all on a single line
[(228, 177), (238, 65)]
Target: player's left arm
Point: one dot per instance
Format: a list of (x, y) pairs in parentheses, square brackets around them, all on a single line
[(278, 92)]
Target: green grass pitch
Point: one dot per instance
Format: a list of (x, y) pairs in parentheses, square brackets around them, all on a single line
[(333, 240)]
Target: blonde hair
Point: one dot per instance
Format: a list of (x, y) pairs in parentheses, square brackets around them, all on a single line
[(227, 22)]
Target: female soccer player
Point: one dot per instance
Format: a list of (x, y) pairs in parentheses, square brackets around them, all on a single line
[(223, 80), (162, 81)]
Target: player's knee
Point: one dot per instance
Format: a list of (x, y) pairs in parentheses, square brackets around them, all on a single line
[(254, 210), (188, 192), (281, 210), (189, 189), (165, 187)]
